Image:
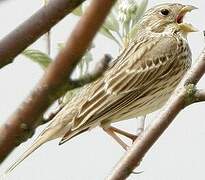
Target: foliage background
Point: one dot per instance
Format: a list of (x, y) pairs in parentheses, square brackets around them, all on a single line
[(179, 153)]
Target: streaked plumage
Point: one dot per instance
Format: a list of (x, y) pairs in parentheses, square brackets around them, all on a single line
[(138, 81)]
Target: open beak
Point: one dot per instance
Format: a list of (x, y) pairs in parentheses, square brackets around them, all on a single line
[(179, 19)]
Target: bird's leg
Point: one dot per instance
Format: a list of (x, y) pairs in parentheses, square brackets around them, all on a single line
[(123, 133), (113, 131), (110, 132)]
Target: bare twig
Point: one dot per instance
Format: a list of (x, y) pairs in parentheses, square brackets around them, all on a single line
[(141, 125), (48, 42), (179, 100), (48, 34), (89, 77), (22, 123), (34, 27)]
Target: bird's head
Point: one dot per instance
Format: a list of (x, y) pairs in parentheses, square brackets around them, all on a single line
[(167, 16)]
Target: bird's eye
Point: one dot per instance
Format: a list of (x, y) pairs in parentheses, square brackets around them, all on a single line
[(164, 12)]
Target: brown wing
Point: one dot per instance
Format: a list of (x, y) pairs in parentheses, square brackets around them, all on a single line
[(132, 73)]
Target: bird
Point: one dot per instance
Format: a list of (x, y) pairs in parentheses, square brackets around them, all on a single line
[(137, 82)]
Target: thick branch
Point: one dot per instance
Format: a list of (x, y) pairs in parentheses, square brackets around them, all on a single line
[(197, 71), (144, 142), (53, 84), (34, 27)]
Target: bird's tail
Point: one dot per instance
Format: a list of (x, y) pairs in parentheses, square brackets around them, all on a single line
[(33, 147), (51, 132)]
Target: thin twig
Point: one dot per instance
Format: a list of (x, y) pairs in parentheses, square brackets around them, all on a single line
[(179, 100), (48, 34), (89, 77), (34, 27), (48, 42), (21, 124), (141, 125)]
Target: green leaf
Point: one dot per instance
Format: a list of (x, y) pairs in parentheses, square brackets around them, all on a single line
[(140, 10), (38, 57), (106, 32), (60, 46), (111, 22), (132, 32)]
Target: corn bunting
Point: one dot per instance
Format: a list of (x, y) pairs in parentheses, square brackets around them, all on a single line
[(139, 81)]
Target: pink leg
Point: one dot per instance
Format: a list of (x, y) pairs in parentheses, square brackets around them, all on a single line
[(113, 131), (116, 138), (123, 133)]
